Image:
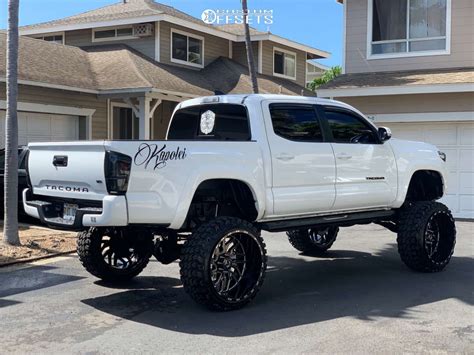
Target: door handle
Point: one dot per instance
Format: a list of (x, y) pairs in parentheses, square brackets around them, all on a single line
[(343, 156), (285, 157), (60, 160)]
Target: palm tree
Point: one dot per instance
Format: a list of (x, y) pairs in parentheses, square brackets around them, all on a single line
[(248, 46), (10, 228)]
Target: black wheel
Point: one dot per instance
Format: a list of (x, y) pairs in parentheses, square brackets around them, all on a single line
[(426, 236), (114, 254), (313, 240), (223, 263)]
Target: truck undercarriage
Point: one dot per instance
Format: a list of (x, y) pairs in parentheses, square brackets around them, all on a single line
[(223, 261)]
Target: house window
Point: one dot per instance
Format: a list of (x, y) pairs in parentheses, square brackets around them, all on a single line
[(112, 34), (284, 63), (54, 37), (187, 48), (409, 27)]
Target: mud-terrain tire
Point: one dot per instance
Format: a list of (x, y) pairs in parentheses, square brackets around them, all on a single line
[(223, 264), (113, 256), (313, 241), (426, 236)]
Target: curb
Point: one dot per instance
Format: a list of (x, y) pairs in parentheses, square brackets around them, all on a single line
[(24, 261)]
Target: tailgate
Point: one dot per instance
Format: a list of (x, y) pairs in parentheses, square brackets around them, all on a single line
[(73, 170)]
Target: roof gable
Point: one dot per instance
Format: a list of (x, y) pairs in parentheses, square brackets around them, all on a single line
[(139, 11), (122, 10)]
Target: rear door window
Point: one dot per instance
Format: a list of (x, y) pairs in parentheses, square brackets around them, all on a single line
[(296, 122), (228, 122)]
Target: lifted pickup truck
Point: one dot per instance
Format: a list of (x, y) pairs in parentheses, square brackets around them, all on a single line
[(230, 167)]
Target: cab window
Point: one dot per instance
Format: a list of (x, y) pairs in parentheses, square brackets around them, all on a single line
[(296, 122), (222, 122)]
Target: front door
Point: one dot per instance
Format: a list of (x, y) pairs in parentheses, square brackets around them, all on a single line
[(125, 123), (302, 162), (366, 169)]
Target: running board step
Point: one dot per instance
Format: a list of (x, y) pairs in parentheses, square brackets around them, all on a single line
[(337, 219)]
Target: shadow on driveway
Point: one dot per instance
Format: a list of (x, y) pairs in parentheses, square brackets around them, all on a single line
[(30, 279), (297, 292)]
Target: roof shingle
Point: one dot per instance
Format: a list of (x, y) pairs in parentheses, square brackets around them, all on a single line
[(118, 11), (119, 67), (51, 63), (398, 78), (230, 77), (238, 29)]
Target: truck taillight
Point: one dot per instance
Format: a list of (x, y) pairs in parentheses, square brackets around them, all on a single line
[(117, 172), (28, 180)]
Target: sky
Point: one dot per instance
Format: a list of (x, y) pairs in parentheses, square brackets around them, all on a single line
[(317, 23)]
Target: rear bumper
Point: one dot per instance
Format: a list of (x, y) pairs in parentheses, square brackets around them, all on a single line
[(110, 212)]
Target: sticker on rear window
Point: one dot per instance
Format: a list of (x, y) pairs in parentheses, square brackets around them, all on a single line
[(208, 119)]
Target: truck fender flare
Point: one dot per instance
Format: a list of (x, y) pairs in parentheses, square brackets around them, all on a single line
[(185, 201)]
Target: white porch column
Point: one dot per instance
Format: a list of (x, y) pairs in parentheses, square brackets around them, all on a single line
[(89, 127), (144, 118)]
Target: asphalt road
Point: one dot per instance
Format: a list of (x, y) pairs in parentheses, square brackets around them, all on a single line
[(358, 299)]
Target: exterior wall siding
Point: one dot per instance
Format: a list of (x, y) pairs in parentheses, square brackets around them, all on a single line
[(47, 96), (267, 61), (83, 38), (214, 47), (313, 72), (420, 103), (239, 52), (462, 47)]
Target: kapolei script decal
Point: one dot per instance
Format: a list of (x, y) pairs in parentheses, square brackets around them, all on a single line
[(157, 155)]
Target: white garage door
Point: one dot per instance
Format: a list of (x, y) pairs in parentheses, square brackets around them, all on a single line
[(42, 127), (457, 141)]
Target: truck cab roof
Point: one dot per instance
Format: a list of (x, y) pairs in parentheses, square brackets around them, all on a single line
[(245, 98), (256, 99)]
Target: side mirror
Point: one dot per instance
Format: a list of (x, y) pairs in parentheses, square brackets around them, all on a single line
[(385, 133)]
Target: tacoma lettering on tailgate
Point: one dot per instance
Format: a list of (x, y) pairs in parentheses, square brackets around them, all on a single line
[(67, 188)]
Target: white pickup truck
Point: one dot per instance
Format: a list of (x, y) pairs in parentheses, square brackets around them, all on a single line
[(230, 167)]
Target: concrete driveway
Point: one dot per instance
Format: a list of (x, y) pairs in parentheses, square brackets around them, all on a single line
[(359, 298)]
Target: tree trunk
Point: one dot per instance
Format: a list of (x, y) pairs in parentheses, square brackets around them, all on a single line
[(248, 46), (10, 228)]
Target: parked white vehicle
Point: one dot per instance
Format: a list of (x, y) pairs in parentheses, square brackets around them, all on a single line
[(230, 167)]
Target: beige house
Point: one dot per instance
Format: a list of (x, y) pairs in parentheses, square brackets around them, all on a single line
[(118, 72), (409, 65), (314, 70)]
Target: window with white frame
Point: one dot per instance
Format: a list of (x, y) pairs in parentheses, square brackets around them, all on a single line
[(54, 37), (284, 63), (187, 48), (112, 33), (409, 26)]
